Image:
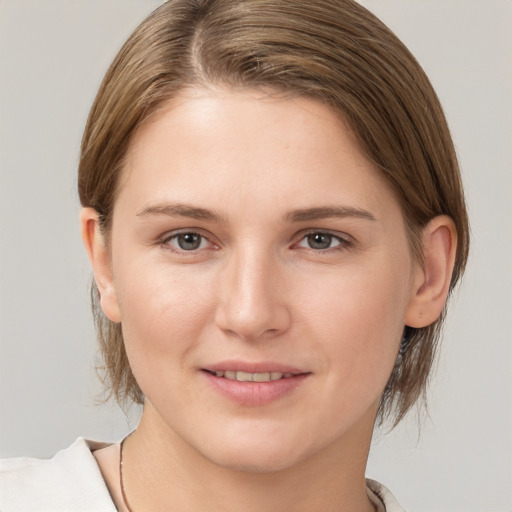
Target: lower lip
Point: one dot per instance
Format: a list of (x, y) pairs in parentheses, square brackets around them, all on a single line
[(254, 394)]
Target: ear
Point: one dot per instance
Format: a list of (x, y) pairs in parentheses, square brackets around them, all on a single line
[(432, 280), (99, 257)]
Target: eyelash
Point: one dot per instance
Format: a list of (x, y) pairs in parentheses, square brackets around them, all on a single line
[(166, 242), (343, 242)]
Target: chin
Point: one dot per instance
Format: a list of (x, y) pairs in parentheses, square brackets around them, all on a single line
[(249, 449), (257, 461)]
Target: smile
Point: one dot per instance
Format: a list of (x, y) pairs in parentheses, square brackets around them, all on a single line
[(252, 377), (254, 384)]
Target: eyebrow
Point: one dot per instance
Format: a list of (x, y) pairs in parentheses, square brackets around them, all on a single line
[(181, 210), (328, 212), (301, 215)]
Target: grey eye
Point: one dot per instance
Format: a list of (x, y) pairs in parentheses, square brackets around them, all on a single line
[(319, 240), (188, 241)]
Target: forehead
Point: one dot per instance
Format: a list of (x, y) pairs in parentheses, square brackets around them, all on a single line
[(217, 146)]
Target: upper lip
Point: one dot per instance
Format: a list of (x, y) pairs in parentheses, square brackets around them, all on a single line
[(253, 367)]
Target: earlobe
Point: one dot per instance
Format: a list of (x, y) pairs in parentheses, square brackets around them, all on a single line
[(433, 278), (99, 257)]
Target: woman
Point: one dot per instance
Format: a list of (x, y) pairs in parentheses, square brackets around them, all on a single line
[(274, 215)]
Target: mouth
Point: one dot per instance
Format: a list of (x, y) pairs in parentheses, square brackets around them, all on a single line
[(254, 385), (251, 377)]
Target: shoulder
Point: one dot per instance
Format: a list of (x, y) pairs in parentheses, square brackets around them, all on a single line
[(382, 497), (70, 481)]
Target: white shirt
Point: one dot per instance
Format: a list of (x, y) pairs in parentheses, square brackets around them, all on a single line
[(71, 481)]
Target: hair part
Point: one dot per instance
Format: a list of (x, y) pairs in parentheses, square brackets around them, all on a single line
[(332, 50)]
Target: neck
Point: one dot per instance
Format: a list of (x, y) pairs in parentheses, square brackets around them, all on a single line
[(162, 472)]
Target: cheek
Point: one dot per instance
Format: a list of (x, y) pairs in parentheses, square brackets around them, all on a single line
[(163, 313), (359, 315)]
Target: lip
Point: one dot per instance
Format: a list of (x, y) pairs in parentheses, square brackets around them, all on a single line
[(254, 394), (253, 367)]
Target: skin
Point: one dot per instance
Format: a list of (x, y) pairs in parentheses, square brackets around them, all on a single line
[(257, 290)]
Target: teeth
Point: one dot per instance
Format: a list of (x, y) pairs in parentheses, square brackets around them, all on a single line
[(252, 377), (246, 377), (260, 377)]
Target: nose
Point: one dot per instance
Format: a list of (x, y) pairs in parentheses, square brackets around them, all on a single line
[(251, 301)]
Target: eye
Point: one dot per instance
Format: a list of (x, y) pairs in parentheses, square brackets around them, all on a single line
[(321, 241), (188, 241)]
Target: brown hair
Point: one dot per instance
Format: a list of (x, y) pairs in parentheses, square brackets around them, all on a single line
[(332, 50)]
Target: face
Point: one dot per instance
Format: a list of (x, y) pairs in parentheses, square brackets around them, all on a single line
[(262, 275)]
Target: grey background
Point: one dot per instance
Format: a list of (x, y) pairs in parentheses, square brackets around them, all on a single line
[(53, 54)]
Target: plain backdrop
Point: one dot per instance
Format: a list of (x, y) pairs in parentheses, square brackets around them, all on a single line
[(53, 54)]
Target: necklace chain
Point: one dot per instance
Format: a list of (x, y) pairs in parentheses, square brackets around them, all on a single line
[(123, 490)]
